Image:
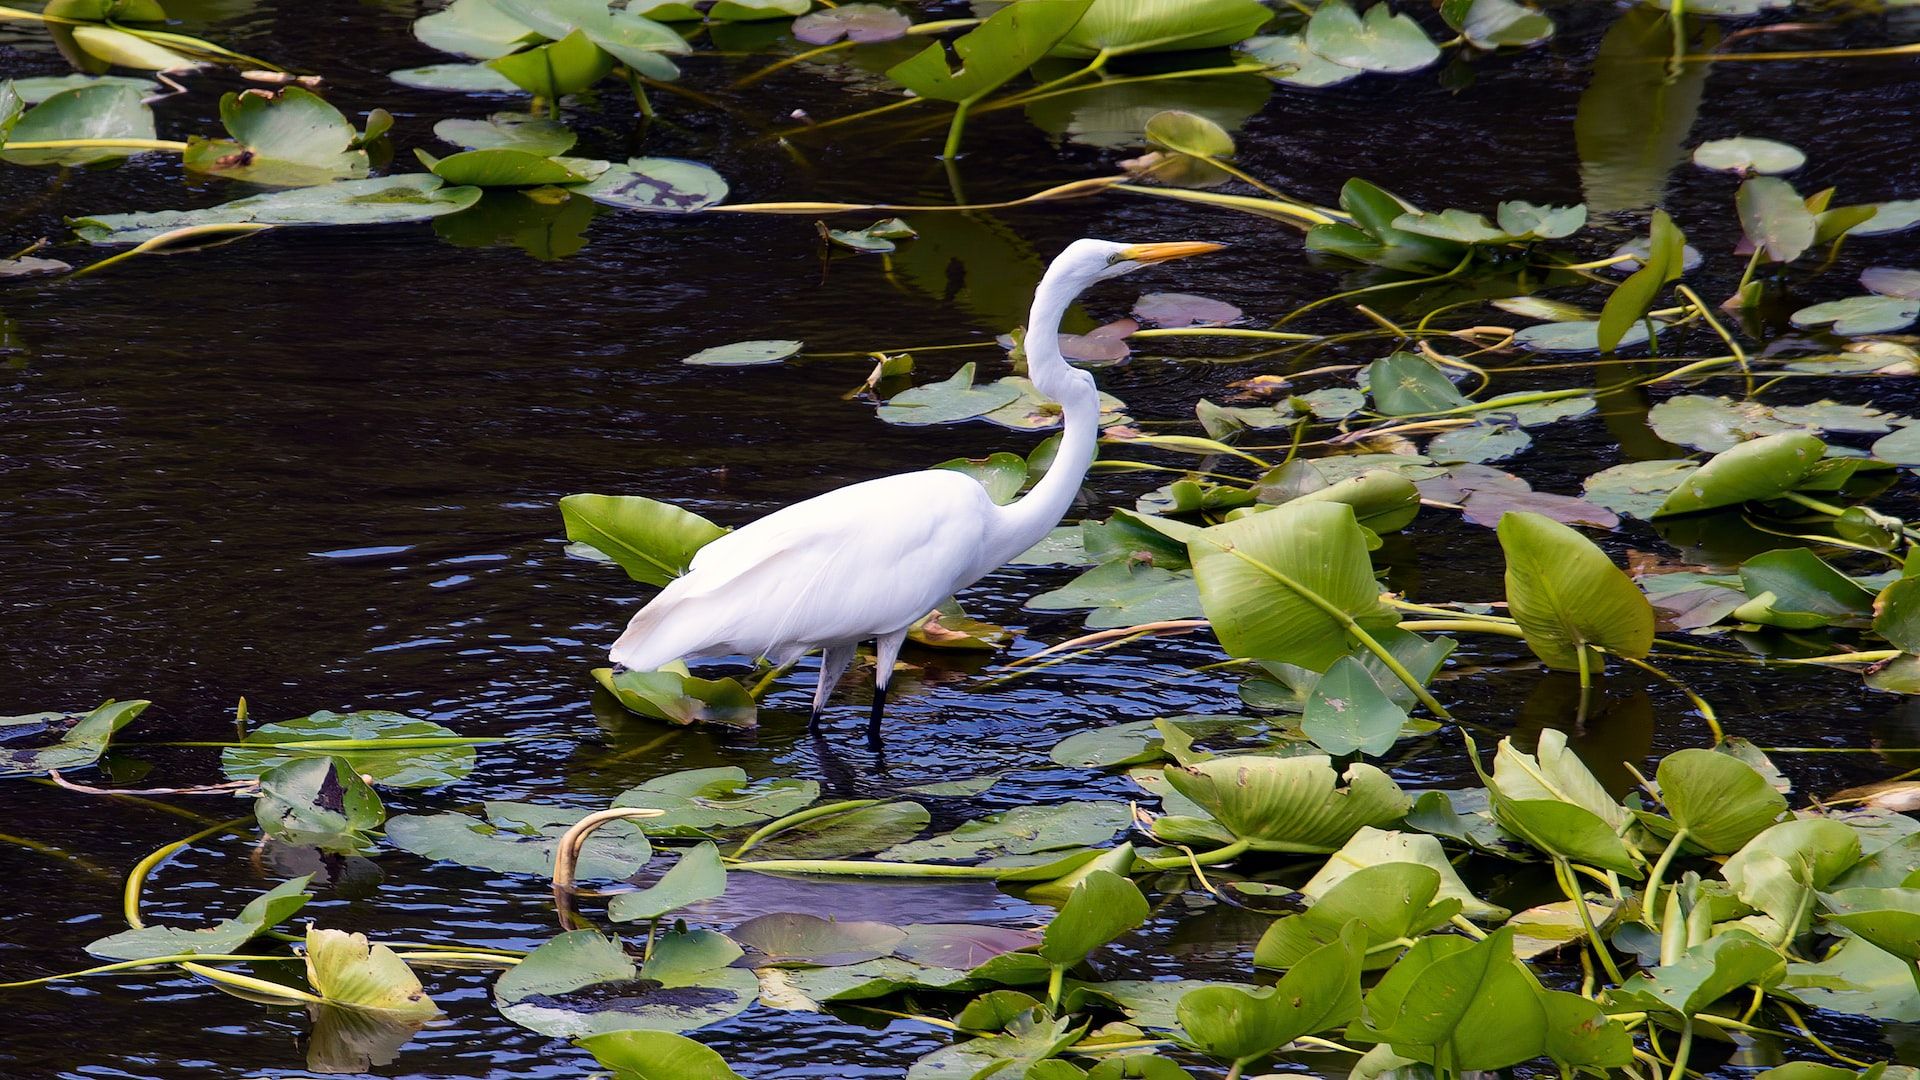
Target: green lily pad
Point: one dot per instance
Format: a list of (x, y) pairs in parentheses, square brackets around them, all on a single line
[(653, 541), (859, 23), (41, 87), (1574, 336), (502, 167), (96, 111), (1706, 973), (663, 185), (290, 139), (1888, 918), (673, 695), (520, 838), (1006, 44), (263, 912), (457, 78), (1321, 990), (79, 740), (558, 68), (699, 800), (852, 832), (1858, 315), (1568, 596), (474, 28), (1637, 488), (1289, 60), (656, 1055), (508, 131), (744, 353), (1379, 41), (376, 201), (1890, 217), (1859, 978), (951, 400), (1748, 155), (1125, 593), (1388, 901), (408, 763), (581, 983), (1348, 712), (699, 875), (1404, 384), (1478, 443), (1721, 801), (1123, 27), (1493, 24), (1372, 847), (791, 938), (318, 802), (1022, 830)]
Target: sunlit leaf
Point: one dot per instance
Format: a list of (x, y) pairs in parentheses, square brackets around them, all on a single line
[(520, 838), (355, 737), (376, 201), (1748, 155), (1568, 596), (1003, 46), (292, 138), (656, 1055), (78, 740), (698, 875), (653, 541)]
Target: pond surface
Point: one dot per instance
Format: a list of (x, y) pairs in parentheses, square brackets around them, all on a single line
[(318, 469)]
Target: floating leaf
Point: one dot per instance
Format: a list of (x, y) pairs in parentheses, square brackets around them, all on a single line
[(1582, 335), (1388, 901), (699, 800), (656, 1055), (289, 139), (352, 974), (412, 760), (666, 185), (744, 353), (1379, 41), (1859, 978), (458, 78), (95, 112), (1721, 801), (473, 28), (1492, 24), (946, 402), (1183, 309), (1122, 27), (1858, 315), (860, 23), (1748, 155), (1775, 218), (318, 802), (582, 983), (263, 912), (377, 201), (1478, 443), (558, 68), (792, 938), (1371, 847), (1404, 384), (1348, 712), (498, 168), (508, 131), (80, 740), (853, 832), (1125, 593), (698, 876), (1708, 972), (40, 88), (1101, 907), (1022, 830), (1289, 60), (1320, 991), (520, 838)]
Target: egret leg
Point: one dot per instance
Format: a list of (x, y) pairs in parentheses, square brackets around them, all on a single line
[(833, 664), (885, 651)]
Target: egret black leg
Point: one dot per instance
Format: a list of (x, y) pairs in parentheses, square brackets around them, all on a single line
[(879, 709)]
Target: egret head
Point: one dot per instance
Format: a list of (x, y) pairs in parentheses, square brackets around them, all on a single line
[(1087, 261)]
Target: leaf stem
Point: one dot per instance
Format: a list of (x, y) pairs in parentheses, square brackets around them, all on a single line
[(800, 817), (137, 877), (1659, 872), (1570, 885)]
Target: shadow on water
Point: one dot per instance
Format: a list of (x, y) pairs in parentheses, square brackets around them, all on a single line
[(318, 469)]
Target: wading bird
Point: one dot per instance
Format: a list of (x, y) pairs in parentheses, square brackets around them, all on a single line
[(870, 560)]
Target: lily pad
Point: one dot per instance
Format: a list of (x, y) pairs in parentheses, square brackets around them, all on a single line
[(1764, 468), (412, 760), (79, 741), (653, 541), (1022, 830), (1290, 804), (744, 353), (699, 800), (1006, 44), (1568, 596), (665, 185), (290, 139), (457, 78), (853, 832), (582, 983), (318, 802), (951, 400), (1125, 593), (263, 912), (351, 973), (376, 201), (859, 23), (504, 168), (1380, 41), (520, 838), (1184, 309), (1748, 155), (1575, 336), (41, 87), (699, 875), (1637, 488), (789, 939), (656, 1055), (94, 112), (1858, 315), (1290, 60)]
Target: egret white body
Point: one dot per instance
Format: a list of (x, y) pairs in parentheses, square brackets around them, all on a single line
[(871, 560)]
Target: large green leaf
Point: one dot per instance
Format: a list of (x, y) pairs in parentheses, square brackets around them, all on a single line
[(353, 974), (1023, 830), (78, 742), (1101, 907), (1404, 384), (1320, 991), (1290, 804), (99, 111), (1390, 901), (1282, 585), (1371, 847), (1888, 918), (290, 139), (412, 759), (1379, 41), (503, 167), (656, 1055), (318, 802), (1471, 1004), (1348, 712), (699, 875), (654, 542), (1568, 596), (1004, 46), (474, 28), (697, 801), (1721, 801), (1706, 973), (566, 66), (1765, 468), (1775, 218), (1119, 27), (677, 697), (582, 983)]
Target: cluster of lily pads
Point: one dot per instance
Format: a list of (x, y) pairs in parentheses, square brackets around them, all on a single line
[(1701, 908)]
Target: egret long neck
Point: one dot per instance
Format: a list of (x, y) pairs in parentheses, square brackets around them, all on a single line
[(1024, 523)]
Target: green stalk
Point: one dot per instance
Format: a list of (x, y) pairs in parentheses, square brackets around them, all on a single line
[(157, 961), (137, 877), (874, 868), (1563, 873), (1207, 858), (1652, 891), (255, 986), (1679, 1069), (1056, 979), (800, 817), (109, 144)]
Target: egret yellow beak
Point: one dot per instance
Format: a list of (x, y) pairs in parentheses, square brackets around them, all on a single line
[(1155, 253)]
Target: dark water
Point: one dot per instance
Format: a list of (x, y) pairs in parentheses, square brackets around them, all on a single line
[(318, 469)]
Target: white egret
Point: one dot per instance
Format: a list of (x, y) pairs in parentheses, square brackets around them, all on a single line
[(869, 561)]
